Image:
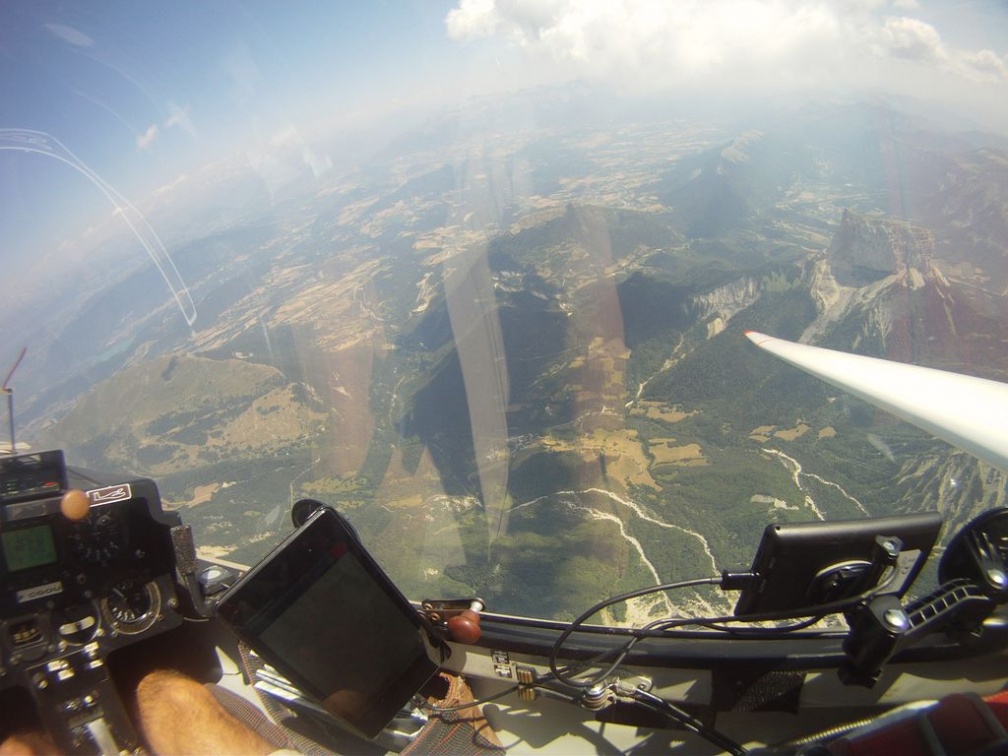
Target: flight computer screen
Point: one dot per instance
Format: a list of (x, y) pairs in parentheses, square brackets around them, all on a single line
[(24, 548)]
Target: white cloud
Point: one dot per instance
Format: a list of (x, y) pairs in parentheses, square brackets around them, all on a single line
[(662, 43), (742, 43), (179, 116), (987, 64), (473, 18), (288, 142), (912, 39), (146, 139), (916, 41), (319, 164), (282, 158)]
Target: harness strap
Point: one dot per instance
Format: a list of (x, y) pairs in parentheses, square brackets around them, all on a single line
[(961, 724)]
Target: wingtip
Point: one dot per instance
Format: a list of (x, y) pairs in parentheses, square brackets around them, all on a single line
[(757, 338)]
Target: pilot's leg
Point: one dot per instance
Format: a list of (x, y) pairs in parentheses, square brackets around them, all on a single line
[(179, 715), (27, 744)]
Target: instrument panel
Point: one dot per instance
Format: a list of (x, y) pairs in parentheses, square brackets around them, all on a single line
[(74, 590), (29, 476)]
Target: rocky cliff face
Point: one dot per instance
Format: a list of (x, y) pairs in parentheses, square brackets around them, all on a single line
[(862, 285), (719, 305), (879, 292), (865, 250), (860, 276)]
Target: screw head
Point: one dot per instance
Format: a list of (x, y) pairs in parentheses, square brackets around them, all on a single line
[(997, 578), (896, 619)]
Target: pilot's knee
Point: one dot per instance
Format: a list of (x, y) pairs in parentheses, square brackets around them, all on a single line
[(168, 691)]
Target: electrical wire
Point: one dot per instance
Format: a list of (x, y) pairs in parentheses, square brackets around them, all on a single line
[(689, 722), (425, 704), (555, 651), (661, 628), (762, 631)]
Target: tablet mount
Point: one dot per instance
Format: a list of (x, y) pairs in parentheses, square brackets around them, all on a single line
[(868, 565), (973, 581)]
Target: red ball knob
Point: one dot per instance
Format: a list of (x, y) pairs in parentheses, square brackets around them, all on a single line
[(464, 627), (75, 505)]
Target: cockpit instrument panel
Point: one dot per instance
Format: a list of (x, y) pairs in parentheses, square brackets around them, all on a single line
[(76, 584), (30, 476)]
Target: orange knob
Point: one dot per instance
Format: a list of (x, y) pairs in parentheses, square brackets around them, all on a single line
[(75, 504), (464, 627)]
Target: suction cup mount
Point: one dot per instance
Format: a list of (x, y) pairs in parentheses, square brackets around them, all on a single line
[(840, 581), (979, 553), (973, 577), (304, 509)]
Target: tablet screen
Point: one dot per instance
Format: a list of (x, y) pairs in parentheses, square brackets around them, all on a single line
[(322, 612)]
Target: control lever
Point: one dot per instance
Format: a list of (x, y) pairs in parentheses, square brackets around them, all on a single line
[(459, 618), (79, 705), (187, 566), (100, 733)]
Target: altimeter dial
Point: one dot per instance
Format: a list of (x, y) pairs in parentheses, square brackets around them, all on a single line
[(98, 539), (132, 605)]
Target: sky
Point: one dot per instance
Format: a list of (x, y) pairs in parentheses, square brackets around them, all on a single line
[(152, 96)]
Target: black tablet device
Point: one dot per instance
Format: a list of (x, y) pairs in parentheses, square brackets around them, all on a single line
[(325, 615), (804, 564)]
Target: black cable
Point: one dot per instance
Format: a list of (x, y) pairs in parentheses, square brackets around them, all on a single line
[(819, 611), (689, 722), (555, 651), (763, 631), (621, 654), (424, 704), (660, 628)]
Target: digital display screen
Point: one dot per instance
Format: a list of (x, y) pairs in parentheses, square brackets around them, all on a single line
[(326, 617), (24, 548), (345, 638)]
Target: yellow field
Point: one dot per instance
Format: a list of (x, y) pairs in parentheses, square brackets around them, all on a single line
[(624, 456), (661, 411), (685, 455), (203, 494), (790, 434)]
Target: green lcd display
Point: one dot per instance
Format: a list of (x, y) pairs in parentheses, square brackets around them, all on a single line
[(28, 547)]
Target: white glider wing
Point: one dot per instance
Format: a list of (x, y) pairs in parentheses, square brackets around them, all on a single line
[(968, 412)]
